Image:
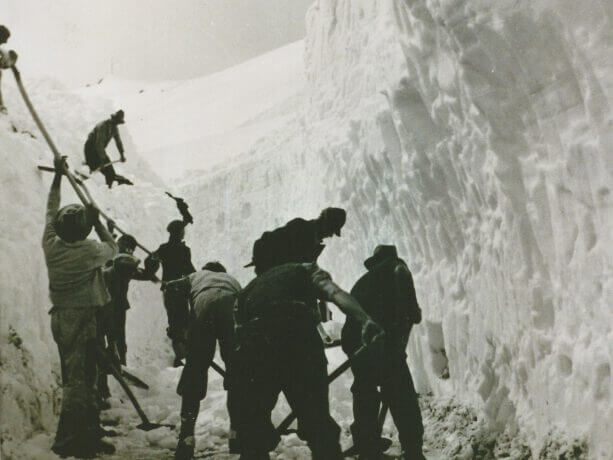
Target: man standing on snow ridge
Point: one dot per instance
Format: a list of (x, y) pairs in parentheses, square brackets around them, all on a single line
[(97, 141), (176, 260), (387, 294), (7, 59), (77, 291), (212, 294)]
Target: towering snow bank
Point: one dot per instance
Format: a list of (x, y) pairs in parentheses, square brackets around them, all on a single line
[(475, 136), (29, 363)]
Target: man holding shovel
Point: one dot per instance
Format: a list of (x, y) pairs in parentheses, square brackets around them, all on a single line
[(97, 141), (279, 349), (386, 291), (77, 291)]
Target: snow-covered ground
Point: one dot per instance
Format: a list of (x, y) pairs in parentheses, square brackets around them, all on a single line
[(476, 136)]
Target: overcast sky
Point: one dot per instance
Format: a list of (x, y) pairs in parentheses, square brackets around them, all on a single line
[(81, 41)]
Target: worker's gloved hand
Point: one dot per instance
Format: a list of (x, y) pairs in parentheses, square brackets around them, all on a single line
[(110, 225), (13, 57), (370, 330), (91, 214), (152, 264), (59, 165), (122, 159)]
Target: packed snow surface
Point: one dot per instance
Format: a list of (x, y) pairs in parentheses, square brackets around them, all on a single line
[(473, 135)]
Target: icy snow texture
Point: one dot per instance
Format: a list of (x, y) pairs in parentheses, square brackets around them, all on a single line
[(476, 136)]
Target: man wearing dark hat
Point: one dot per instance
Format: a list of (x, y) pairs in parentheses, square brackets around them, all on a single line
[(97, 141), (8, 58), (176, 260), (77, 291), (387, 294), (298, 241), (212, 294)]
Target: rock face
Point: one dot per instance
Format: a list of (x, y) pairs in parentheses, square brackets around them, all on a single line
[(475, 136)]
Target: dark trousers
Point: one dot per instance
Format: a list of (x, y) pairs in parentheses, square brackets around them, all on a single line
[(210, 322), (177, 309), (94, 161), (75, 332), (390, 373), (287, 357), (104, 328), (119, 333)]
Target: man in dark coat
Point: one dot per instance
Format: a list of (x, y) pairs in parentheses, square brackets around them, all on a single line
[(118, 273), (278, 350), (387, 294), (176, 260), (299, 240), (95, 148)]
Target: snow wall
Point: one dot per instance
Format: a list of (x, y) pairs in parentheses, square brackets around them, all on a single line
[(29, 362), (476, 136)]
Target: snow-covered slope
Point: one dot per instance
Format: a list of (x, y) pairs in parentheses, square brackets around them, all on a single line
[(193, 124), (29, 363), (476, 136)]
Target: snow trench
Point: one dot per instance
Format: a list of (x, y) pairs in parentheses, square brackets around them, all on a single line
[(473, 135)]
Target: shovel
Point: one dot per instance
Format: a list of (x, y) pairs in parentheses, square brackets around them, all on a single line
[(146, 425), (285, 424)]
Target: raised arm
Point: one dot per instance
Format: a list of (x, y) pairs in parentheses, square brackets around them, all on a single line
[(53, 205)]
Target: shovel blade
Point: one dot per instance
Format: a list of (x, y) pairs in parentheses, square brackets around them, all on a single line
[(153, 426)]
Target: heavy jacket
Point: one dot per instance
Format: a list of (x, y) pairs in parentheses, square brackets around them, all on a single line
[(75, 269), (284, 293), (387, 293), (295, 242), (98, 139), (118, 274), (176, 259)]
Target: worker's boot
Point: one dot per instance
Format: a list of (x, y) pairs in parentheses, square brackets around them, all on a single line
[(185, 448)]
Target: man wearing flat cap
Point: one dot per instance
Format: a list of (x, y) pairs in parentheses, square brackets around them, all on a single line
[(298, 241)]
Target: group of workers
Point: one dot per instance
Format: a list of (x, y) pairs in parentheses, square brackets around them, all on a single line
[(267, 333)]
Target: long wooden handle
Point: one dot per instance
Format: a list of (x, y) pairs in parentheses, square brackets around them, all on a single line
[(107, 361), (285, 424)]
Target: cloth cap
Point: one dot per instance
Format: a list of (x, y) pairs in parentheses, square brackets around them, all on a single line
[(175, 227), (71, 223)]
